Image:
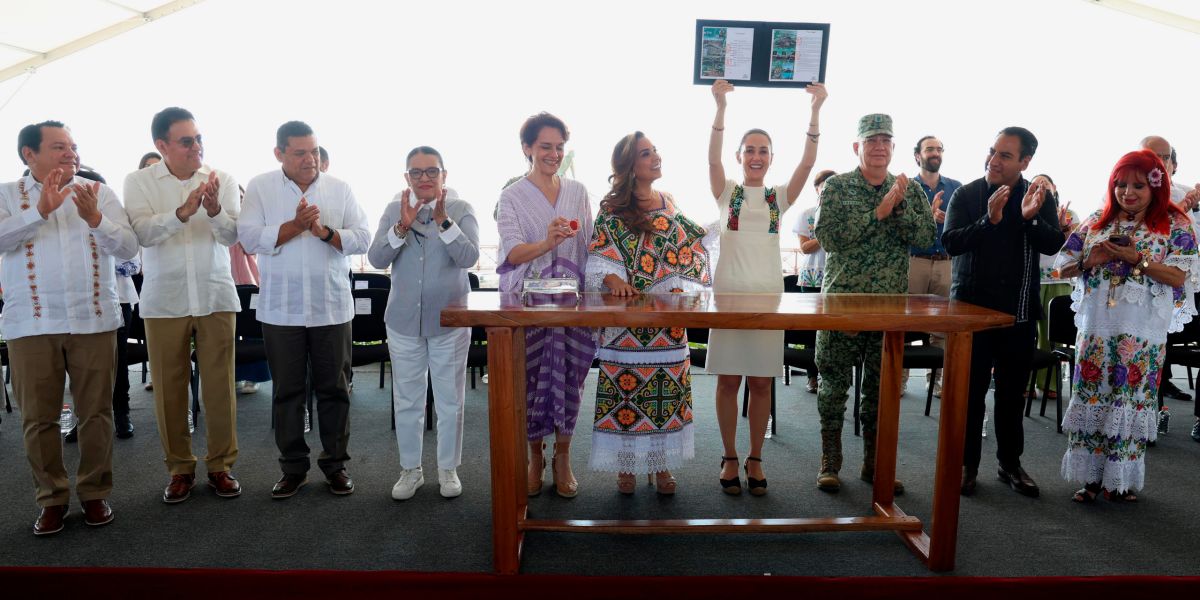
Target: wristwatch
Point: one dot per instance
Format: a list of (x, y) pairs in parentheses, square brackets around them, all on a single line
[(446, 224), (328, 234)]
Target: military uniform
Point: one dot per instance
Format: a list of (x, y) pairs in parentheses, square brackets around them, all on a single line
[(864, 255)]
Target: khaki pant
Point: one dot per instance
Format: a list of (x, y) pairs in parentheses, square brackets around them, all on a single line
[(929, 277), (40, 365), (169, 344)]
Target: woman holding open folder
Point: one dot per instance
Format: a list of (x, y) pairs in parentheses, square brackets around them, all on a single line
[(749, 262)]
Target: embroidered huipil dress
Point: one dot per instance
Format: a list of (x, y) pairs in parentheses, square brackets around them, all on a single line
[(643, 417), (749, 262), (1123, 321)]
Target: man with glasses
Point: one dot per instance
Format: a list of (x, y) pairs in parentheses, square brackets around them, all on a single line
[(304, 225), (995, 228), (929, 268), (185, 213), (867, 221)]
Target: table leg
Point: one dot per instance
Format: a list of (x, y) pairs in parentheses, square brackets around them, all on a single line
[(888, 418), (952, 426), (506, 421)]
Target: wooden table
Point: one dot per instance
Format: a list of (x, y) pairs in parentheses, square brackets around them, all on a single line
[(505, 317)]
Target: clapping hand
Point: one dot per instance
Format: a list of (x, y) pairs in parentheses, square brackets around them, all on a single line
[(893, 197), (996, 204), (87, 202), (1064, 218), (939, 215), (192, 205), (1191, 199), (210, 198), (306, 215), (439, 208), (54, 192), (1032, 202)]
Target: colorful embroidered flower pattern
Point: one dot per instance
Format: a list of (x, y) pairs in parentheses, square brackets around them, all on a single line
[(647, 263), (627, 382)]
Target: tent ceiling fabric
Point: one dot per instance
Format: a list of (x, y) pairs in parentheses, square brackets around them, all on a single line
[(35, 32), (1184, 14)]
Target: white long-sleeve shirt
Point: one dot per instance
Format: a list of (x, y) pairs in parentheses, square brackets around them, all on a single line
[(58, 274), (305, 281), (187, 270)]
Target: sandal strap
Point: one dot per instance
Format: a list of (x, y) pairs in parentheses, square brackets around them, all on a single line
[(724, 459), (754, 458)]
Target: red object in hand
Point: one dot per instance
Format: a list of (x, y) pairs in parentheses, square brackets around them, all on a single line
[(574, 225)]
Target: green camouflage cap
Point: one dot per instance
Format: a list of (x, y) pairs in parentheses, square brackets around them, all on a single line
[(874, 125)]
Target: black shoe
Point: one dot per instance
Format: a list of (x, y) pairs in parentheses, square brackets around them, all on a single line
[(969, 481), (1172, 392), (733, 485), (1196, 431), (757, 487), (123, 425), (1019, 481), (288, 485), (340, 483), (72, 435)]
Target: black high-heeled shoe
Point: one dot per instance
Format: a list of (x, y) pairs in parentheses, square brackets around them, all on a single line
[(732, 486), (757, 487)]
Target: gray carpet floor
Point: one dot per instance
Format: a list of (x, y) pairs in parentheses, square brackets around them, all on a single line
[(1001, 533)]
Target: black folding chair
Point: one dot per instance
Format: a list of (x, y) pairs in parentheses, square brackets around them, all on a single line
[(369, 333)]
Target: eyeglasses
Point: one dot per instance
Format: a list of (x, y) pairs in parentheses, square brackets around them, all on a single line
[(431, 172), (188, 142)]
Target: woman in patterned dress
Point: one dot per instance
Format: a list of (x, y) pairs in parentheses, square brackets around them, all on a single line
[(643, 244), (750, 263), (1136, 268), (545, 222)]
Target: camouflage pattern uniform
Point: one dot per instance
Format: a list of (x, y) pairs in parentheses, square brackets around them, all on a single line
[(864, 255)]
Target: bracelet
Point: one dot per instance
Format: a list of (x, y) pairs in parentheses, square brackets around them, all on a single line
[(715, 128), (813, 137), (400, 230)]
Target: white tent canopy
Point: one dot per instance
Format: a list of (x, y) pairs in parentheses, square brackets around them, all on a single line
[(34, 32)]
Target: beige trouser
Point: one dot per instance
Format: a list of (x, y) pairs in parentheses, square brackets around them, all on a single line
[(40, 365), (929, 277), (169, 344)]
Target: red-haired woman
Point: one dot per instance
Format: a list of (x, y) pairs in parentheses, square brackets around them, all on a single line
[(1136, 265)]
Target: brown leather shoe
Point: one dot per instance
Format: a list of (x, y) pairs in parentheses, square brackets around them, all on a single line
[(340, 483), (97, 512), (179, 489), (288, 485), (225, 484), (51, 520)]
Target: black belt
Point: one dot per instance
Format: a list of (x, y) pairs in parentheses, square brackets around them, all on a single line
[(934, 257)]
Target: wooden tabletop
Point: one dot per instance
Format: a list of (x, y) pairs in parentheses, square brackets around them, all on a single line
[(840, 312)]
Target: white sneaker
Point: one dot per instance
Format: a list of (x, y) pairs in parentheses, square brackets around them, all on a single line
[(247, 387), (410, 480), (451, 486)]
